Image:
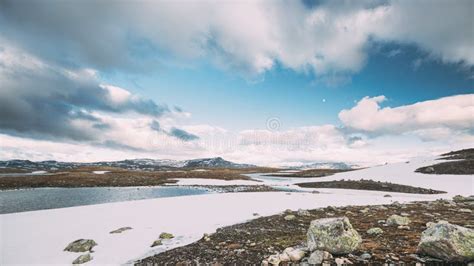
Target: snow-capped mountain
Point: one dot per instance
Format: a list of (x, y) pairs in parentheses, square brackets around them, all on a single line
[(324, 165), (131, 164)]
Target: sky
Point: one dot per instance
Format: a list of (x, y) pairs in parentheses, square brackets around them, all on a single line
[(263, 82)]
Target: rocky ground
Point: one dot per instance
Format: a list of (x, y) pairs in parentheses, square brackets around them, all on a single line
[(370, 185), (462, 164), (384, 239), (238, 188), (117, 177)]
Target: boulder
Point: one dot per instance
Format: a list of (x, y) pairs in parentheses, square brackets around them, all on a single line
[(398, 220), (82, 259), (120, 230), (335, 235), (289, 217), (374, 231), (81, 245), (165, 235), (449, 242), (156, 243)]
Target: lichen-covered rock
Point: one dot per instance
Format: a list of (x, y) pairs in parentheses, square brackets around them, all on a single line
[(165, 235), (398, 220), (81, 245), (289, 217), (120, 230), (447, 242), (374, 231), (335, 235), (82, 259), (459, 198), (156, 243)]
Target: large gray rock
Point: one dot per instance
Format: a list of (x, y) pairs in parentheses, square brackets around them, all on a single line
[(447, 242), (82, 259), (334, 235), (81, 245)]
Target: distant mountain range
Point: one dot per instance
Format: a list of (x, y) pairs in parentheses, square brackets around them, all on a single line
[(324, 165), (132, 164)]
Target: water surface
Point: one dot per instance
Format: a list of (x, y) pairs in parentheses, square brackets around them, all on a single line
[(50, 198)]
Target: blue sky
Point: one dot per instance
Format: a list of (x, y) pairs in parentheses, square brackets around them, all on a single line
[(364, 82), (233, 101)]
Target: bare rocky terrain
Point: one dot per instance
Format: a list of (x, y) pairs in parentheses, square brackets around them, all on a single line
[(118, 177), (461, 163), (255, 242), (370, 185)]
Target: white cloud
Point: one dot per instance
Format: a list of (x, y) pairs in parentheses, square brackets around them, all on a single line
[(440, 115), (247, 36)]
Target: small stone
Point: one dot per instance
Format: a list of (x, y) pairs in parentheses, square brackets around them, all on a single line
[(465, 210), (256, 214), (374, 231), (284, 257), (274, 259), (387, 196), (316, 257), (289, 217), (365, 256), (429, 169), (120, 230), (81, 245), (82, 259), (206, 237), (296, 254), (365, 210), (398, 220), (302, 212), (165, 235), (404, 214), (404, 227)]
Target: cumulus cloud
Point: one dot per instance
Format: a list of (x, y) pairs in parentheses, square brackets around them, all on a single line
[(41, 100), (454, 113), (250, 36)]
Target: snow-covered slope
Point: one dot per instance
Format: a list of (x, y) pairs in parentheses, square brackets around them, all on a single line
[(398, 173), (39, 237)]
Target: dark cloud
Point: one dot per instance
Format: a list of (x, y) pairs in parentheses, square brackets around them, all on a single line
[(182, 134), (44, 101), (155, 125)]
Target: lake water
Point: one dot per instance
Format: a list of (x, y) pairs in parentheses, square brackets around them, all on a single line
[(51, 198)]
